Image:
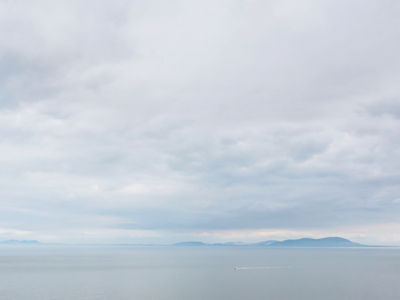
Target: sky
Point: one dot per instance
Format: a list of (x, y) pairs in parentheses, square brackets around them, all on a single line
[(149, 121)]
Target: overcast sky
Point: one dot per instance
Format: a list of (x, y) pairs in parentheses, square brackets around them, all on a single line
[(233, 120)]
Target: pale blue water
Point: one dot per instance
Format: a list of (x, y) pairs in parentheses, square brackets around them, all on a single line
[(177, 273)]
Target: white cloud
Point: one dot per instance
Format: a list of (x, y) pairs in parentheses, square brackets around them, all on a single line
[(13, 232), (182, 115)]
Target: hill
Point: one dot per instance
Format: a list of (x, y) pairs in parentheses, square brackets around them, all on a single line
[(305, 242), (16, 242), (325, 242)]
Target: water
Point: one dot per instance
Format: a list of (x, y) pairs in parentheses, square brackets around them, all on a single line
[(177, 273)]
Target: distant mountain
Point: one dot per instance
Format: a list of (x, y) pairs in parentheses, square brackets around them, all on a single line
[(306, 242), (16, 242), (325, 242)]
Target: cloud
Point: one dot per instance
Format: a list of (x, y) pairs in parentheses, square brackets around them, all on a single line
[(181, 116)]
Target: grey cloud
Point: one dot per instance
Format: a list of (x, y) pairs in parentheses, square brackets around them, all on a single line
[(171, 116)]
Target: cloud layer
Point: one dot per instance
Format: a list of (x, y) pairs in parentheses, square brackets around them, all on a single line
[(161, 120)]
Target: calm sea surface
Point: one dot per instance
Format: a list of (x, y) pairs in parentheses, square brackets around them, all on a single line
[(192, 273)]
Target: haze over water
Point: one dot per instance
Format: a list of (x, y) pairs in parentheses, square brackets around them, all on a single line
[(177, 273), (158, 122)]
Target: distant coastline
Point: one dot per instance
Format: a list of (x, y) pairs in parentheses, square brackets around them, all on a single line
[(17, 242), (304, 242), (328, 242)]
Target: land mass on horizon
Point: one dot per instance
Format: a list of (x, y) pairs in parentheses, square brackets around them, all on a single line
[(17, 242), (304, 242)]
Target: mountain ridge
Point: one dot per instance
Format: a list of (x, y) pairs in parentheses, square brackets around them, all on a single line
[(303, 242), (327, 242), (324, 242), (24, 242)]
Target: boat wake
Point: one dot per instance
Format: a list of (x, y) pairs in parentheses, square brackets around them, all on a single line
[(256, 268)]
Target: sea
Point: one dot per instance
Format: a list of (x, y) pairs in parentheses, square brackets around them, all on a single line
[(198, 273)]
